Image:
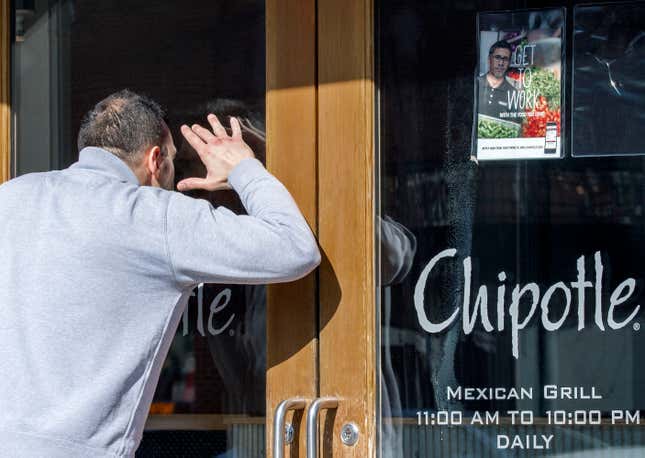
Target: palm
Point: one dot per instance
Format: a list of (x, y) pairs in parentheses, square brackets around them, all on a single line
[(219, 152)]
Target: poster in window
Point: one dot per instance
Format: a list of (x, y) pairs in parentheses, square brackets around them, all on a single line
[(608, 110), (518, 107)]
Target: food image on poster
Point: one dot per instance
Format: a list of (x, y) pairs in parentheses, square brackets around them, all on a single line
[(518, 106), (608, 109)]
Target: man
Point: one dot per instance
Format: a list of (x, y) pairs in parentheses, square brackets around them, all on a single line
[(494, 90), (99, 260)]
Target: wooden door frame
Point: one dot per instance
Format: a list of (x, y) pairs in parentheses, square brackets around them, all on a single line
[(291, 119), (5, 91), (320, 84), (346, 149)]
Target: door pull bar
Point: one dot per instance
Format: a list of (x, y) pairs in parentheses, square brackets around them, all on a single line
[(312, 423), (278, 423)]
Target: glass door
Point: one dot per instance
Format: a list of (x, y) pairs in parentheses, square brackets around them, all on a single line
[(510, 288), (238, 350)]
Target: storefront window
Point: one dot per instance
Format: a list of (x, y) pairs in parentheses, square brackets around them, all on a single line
[(510, 288), (193, 58)]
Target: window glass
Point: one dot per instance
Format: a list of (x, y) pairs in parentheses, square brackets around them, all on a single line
[(510, 291)]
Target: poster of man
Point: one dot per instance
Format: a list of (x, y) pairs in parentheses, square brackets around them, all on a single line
[(495, 92), (519, 84)]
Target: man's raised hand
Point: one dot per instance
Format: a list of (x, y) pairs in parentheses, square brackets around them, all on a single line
[(219, 152)]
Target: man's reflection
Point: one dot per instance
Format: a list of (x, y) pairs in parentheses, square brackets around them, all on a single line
[(238, 353), (398, 246)]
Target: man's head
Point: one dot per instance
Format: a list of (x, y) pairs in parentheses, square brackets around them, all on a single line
[(499, 58), (132, 127)]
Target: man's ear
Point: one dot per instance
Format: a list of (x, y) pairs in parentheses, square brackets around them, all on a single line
[(153, 159)]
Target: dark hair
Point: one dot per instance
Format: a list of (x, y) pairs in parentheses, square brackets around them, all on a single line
[(500, 44), (123, 123)]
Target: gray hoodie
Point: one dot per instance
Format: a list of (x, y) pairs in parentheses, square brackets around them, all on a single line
[(95, 272)]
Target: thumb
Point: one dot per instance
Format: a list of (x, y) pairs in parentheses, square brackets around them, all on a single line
[(222, 187), (194, 183)]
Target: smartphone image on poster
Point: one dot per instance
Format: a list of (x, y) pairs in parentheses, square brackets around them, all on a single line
[(518, 84)]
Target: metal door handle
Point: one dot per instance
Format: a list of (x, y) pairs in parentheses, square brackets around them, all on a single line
[(278, 423), (312, 423)]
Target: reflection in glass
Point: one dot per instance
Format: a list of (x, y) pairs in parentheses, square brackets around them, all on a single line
[(608, 71), (499, 230), (208, 56)]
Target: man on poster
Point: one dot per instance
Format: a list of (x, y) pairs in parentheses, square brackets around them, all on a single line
[(495, 91)]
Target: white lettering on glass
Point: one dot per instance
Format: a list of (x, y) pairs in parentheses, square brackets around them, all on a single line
[(218, 304), (519, 311)]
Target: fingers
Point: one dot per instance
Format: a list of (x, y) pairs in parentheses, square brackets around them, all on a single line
[(237, 129), (198, 136), (197, 183), (201, 183), (192, 138), (217, 126), (191, 183), (204, 134)]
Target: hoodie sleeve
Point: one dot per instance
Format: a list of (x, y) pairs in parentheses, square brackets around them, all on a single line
[(272, 244)]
